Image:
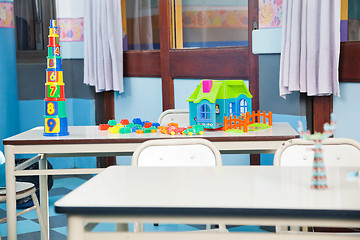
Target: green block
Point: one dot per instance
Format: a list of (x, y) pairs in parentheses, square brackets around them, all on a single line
[(54, 52), (53, 91)]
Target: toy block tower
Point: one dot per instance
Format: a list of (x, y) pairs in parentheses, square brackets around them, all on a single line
[(55, 113)]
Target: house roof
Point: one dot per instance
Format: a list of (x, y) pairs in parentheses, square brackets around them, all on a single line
[(221, 89)]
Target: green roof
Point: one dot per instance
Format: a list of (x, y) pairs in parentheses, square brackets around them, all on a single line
[(221, 89)]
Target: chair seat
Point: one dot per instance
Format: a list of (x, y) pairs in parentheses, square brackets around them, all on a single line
[(23, 189)]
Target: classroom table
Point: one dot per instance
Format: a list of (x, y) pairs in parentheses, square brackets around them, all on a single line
[(240, 195), (89, 141)]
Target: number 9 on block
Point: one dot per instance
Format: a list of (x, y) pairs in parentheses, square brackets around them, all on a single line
[(52, 125)]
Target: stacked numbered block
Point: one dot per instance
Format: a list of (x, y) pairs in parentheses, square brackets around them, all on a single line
[(55, 112)]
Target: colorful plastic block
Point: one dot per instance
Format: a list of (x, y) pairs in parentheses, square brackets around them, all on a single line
[(138, 121), (55, 114), (134, 129), (124, 121), (112, 123), (103, 127), (55, 127), (54, 76), (155, 124), (125, 130), (113, 130), (147, 124)]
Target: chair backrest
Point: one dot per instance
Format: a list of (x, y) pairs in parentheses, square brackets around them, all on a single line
[(2, 170), (179, 116), (177, 152), (336, 152)]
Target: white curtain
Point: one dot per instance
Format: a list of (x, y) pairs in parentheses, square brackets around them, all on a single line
[(310, 47), (103, 45)]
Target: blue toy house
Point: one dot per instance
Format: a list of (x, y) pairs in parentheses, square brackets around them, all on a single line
[(214, 99)]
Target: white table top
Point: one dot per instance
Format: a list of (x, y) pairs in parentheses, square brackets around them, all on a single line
[(91, 134), (234, 190)]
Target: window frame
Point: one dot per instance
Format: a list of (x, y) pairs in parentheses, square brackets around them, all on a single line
[(48, 10), (243, 106), (205, 110)]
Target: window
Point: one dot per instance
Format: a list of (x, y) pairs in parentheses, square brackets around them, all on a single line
[(211, 23), (205, 112), (243, 106), (142, 24), (232, 108), (32, 19), (173, 61)]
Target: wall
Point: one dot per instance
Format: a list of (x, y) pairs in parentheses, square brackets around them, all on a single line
[(9, 115), (347, 111)]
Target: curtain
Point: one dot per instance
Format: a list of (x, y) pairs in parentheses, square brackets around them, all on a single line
[(310, 47), (103, 45)]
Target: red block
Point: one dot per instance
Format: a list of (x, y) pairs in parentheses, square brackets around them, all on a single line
[(104, 126)]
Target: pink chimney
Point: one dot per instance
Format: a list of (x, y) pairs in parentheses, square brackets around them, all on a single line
[(207, 84)]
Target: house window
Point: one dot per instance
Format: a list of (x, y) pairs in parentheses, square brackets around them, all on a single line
[(232, 108), (205, 112), (243, 106)]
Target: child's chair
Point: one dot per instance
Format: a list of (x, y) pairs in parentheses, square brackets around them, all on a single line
[(179, 116), (298, 152), (177, 152), (336, 152), (23, 189)]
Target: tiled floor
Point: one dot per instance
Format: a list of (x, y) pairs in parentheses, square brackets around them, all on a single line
[(29, 229)]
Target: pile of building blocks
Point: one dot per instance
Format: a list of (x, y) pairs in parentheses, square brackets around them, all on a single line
[(173, 128), (124, 127), (140, 127)]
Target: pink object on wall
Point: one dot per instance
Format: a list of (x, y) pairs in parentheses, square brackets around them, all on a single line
[(270, 13), (71, 29), (6, 15), (207, 84)]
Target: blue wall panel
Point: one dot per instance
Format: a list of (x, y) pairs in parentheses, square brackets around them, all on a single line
[(142, 98), (80, 112), (9, 115), (347, 111)]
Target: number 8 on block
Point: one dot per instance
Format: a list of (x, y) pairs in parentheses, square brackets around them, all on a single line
[(51, 108)]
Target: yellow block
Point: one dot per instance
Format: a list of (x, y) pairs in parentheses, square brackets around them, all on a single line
[(52, 125), (53, 32), (55, 77)]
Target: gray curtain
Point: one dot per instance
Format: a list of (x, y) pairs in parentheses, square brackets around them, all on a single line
[(310, 47), (103, 45)]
